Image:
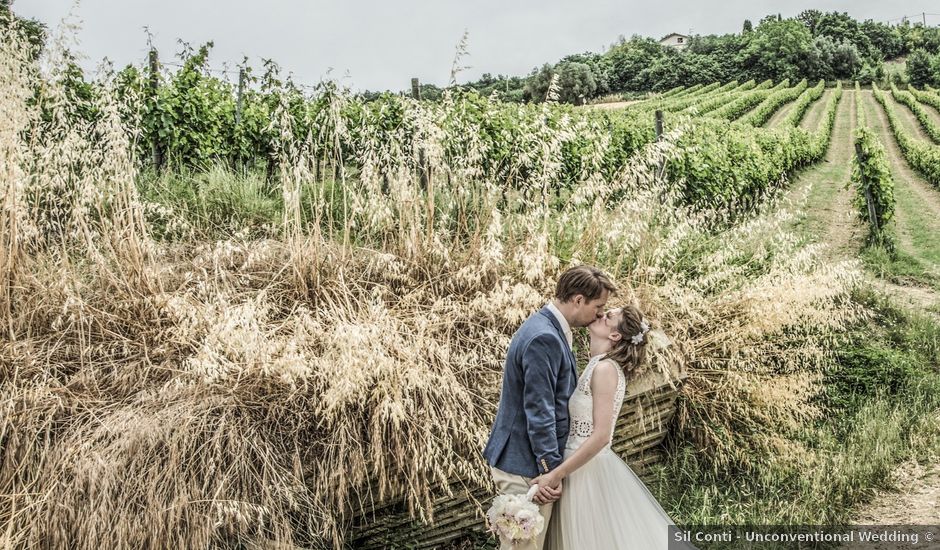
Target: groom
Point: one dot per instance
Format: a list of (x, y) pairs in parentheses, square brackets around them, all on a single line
[(539, 376)]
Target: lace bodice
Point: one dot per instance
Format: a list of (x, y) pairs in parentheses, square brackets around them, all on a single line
[(581, 405)]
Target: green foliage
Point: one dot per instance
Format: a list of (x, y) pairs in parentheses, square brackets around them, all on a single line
[(879, 400), (778, 50), (628, 59), (872, 175), (762, 113), (920, 67), (193, 113), (705, 105), (747, 101), (736, 163), (833, 60), (576, 82), (931, 128), (917, 36), (886, 41), (672, 92), (927, 96), (894, 357), (802, 103), (924, 157), (580, 77), (705, 95), (676, 68)]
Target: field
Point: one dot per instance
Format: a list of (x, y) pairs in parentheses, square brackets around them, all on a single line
[(245, 318)]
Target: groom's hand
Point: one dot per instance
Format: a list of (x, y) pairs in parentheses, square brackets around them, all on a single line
[(549, 488)]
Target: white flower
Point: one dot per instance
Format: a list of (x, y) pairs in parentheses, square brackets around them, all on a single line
[(515, 518), (637, 339)]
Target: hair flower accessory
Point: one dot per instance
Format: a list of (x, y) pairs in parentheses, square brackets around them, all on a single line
[(637, 339)]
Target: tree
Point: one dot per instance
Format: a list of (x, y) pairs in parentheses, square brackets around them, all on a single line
[(833, 60), (885, 40), (842, 28), (575, 81), (845, 60), (628, 58), (867, 74), (600, 68), (811, 19), (748, 27), (778, 50), (686, 68), (919, 70), (725, 50), (536, 85), (33, 31), (935, 70)]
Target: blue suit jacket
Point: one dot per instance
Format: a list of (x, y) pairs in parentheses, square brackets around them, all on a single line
[(539, 376)]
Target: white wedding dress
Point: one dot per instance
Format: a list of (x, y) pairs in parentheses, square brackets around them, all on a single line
[(603, 504)]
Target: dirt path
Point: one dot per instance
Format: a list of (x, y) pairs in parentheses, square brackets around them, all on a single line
[(916, 502)]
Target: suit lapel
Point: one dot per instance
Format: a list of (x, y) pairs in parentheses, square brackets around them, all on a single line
[(561, 333), (554, 321)]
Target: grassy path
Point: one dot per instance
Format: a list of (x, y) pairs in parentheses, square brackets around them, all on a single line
[(823, 195), (814, 113), (915, 498), (781, 114), (820, 191), (907, 117), (931, 112), (918, 203)]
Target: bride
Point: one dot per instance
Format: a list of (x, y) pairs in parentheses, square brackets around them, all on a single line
[(604, 504)]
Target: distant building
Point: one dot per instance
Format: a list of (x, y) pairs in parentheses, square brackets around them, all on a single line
[(675, 40)]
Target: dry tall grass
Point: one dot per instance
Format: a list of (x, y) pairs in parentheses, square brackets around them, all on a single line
[(160, 394)]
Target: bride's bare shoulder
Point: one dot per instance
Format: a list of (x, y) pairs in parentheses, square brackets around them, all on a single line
[(605, 372)]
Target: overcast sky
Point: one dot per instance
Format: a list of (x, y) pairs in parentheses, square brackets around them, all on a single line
[(382, 44)]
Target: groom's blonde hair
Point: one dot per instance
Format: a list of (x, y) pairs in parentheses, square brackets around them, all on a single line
[(585, 280)]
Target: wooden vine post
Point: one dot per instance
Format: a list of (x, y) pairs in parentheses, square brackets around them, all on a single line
[(156, 146), (239, 106), (659, 137)]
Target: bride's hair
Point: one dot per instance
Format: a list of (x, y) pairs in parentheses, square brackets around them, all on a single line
[(630, 351)]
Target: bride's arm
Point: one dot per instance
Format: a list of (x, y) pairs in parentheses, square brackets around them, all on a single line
[(604, 381)]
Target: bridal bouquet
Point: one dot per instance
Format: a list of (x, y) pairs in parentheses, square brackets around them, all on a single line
[(515, 518)]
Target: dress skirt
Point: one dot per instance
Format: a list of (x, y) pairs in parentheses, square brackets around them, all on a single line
[(605, 506)]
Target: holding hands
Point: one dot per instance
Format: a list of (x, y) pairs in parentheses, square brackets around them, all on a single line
[(549, 487)]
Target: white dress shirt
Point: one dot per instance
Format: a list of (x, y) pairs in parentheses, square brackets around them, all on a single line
[(563, 322)]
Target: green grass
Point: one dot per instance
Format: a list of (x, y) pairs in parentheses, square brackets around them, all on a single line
[(921, 228), (900, 267), (881, 399), (823, 178), (211, 204), (895, 71), (219, 203)]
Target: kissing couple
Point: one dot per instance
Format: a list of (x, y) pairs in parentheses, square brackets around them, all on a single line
[(554, 428)]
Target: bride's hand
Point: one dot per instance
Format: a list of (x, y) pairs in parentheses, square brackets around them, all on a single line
[(549, 487)]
